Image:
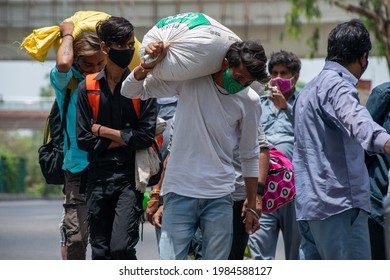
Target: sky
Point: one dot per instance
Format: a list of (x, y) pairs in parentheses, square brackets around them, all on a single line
[(22, 80)]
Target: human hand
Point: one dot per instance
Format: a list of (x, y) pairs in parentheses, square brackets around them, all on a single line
[(151, 210), (154, 197), (259, 208), (157, 217), (277, 98), (251, 221), (154, 53)]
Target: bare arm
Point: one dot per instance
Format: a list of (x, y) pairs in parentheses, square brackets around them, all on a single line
[(251, 217), (263, 173), (64, 57), (155, 197)]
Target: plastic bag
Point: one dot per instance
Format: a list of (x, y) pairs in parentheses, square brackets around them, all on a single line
[(198, 44), (39, 42)]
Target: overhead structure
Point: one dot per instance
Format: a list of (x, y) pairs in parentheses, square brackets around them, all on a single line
[(261, 20)]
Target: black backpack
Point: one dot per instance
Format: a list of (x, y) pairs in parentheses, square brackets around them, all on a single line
[(51, 153)]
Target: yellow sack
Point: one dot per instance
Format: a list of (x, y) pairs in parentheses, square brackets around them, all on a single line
[(39, 42)]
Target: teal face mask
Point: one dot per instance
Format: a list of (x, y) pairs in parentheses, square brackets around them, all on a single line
[(230, 84)]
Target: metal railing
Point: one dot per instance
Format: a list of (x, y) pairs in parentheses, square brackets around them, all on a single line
[(43, 104)]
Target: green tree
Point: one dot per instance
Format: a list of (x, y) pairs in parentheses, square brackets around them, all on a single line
[(47, 91), (374, 13)]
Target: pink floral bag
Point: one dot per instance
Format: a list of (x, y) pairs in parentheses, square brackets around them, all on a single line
[(279, 186)]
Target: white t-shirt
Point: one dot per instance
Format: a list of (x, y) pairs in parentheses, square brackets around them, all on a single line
[(209, 123)]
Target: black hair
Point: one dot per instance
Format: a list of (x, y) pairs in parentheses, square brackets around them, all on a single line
[(115, 30), (252, 55), (348, 42), (287, 59)]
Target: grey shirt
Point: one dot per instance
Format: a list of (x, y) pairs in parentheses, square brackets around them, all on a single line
[(332, 130)]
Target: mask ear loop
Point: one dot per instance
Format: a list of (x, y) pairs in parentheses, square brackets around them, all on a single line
[(225, 64)]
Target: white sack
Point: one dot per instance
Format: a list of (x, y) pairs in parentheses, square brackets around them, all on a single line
[(198, 44)]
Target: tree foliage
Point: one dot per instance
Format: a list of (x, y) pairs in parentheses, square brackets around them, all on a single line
[(47, 91), (374, 13)]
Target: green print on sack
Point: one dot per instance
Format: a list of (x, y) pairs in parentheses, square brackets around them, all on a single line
[(192, 20)]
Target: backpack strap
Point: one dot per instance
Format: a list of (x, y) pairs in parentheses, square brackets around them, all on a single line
[(137, 106), (92, 87), (68, 93)]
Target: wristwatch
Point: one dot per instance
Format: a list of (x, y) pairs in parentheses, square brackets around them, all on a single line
[(260, 188)]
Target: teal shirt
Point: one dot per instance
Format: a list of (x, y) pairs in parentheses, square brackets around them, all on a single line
[(378, 104), (278, 125), (75, 160)]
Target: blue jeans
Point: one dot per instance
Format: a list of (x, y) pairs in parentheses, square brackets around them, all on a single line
[(263, 242), (183, 215), (343, 236)]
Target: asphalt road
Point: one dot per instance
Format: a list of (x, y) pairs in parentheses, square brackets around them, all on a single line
[(29, 231)]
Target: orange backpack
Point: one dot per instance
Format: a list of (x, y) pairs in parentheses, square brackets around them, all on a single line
[(93, 93)]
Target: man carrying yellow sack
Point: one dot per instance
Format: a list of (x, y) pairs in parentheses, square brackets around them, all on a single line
[(75, 58), (39, 42)]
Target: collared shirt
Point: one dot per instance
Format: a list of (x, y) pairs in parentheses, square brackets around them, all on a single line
[(278, 124), (117, 112), (75, 160), (332, 130)]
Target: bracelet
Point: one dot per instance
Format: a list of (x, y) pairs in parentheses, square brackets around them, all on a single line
[(154, 192), (152, 202), (260, 188), (68, 35), (253, 212), (99, 130)]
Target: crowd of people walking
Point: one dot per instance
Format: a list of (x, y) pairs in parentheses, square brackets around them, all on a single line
[(216, 156)]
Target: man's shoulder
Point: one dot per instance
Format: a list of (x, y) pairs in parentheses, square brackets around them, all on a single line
[(383, 88), (251, 95)]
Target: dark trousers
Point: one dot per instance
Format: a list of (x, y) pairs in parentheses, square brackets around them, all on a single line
[(75, 219), (240, 236), (377, 240), (114, 215)]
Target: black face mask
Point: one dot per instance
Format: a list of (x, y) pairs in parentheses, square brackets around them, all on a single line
[(121, 58)]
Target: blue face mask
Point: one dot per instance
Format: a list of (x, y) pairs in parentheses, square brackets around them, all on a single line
[(230, 84)]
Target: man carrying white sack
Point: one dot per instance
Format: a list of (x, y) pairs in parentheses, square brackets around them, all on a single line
[(214, 113)]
